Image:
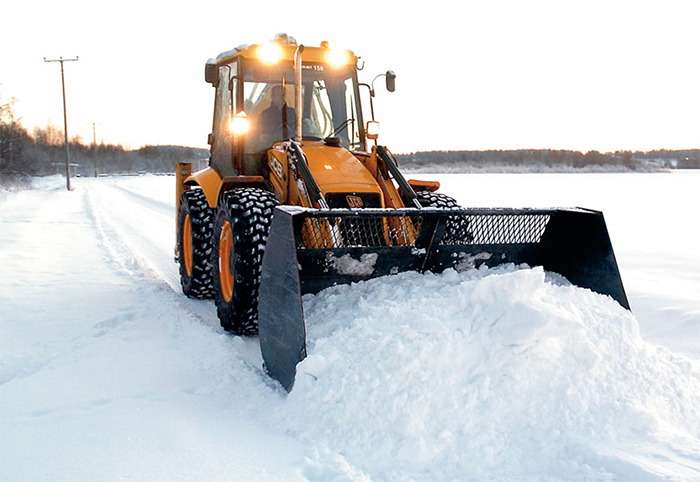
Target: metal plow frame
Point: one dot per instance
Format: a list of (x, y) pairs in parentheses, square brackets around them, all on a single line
[(355, 245)]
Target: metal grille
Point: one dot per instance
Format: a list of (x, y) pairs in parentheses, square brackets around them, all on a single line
[(461, 229), (497, 229), (359, 231)]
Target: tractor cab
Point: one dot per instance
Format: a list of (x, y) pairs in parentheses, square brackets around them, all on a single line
[(256, 102)]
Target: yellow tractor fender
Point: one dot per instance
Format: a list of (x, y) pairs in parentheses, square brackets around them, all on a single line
[(211, 183)]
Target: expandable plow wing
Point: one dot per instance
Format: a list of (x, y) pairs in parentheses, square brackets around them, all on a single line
[(309, 250)]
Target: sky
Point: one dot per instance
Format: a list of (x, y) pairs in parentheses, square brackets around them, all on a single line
[(471, 75)]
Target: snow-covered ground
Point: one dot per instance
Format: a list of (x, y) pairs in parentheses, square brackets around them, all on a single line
[(109, 373)]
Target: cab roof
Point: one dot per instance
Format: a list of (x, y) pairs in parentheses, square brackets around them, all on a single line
[(285, 47)]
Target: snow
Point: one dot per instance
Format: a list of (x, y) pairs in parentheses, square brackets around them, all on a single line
[(468, 261), (230, 53), (347, 265), (499, 364), (108, 372)]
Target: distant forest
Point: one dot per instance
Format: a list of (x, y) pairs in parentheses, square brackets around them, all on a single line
[(41, 152), (547, 160)]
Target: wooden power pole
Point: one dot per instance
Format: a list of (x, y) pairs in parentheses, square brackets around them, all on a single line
[(65, 117)]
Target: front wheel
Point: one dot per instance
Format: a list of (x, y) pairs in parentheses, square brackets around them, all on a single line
[(429, 199), (457, 228), (242, 224)]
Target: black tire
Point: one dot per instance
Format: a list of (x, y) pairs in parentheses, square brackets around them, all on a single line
[(429, 199), (241, 227), (194, 243), (457, 228)]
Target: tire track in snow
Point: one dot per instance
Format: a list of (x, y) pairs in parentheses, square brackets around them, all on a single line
[(127, 246), (148, 202), (139, 236), (129, 232)]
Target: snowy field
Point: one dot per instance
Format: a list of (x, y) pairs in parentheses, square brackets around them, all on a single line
[(109, 373)]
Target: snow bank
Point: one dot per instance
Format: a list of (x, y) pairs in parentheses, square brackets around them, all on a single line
[(496, 374)]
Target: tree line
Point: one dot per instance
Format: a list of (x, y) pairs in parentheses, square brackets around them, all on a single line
[(544, 160), (41, 152)]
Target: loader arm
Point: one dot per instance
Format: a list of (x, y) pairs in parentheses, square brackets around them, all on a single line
[(389, 166)]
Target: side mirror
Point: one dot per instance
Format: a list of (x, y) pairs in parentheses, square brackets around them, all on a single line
[(211, 73), (372, 130), (390, 81)]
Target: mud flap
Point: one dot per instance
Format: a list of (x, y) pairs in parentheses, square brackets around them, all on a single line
[(309, 250)]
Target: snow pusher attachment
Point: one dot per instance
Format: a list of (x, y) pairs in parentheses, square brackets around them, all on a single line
[(309, 250)]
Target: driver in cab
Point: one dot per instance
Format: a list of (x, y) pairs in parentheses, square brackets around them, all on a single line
[(277, 121)]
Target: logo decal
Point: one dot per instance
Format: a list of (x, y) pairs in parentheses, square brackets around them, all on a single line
[(354, 201), (276, 167)]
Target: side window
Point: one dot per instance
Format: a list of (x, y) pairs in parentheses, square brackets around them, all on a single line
[(258, 99), (254, 94), (221, 150), (320, 118), (222, 107)]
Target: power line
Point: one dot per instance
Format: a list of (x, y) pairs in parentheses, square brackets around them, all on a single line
[(65, 117)]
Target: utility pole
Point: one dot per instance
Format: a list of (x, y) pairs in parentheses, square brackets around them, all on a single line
[(94, 147), (65, 117)]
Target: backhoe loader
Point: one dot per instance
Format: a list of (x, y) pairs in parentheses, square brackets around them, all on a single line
[(298, 196)]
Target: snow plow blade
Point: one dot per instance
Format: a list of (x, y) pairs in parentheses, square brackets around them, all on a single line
[(309, 250)]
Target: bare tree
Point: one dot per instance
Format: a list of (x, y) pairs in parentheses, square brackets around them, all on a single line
[(12, 135), (49, 135)]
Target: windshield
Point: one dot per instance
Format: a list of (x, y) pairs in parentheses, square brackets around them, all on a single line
[(330, 107)]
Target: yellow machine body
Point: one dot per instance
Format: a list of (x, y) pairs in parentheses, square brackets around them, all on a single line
[(298, 196)]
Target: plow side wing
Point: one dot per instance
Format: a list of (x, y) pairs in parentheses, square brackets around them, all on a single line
[(309, 250)]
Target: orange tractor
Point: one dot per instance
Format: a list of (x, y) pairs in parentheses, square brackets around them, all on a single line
[(298, 197)]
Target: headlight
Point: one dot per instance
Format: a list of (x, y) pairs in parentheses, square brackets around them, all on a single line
[(239, 125)]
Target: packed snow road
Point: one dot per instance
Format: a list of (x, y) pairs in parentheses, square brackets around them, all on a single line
[(136, 227), (109, 373)]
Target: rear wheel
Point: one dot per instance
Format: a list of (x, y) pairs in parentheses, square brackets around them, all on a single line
[(194, 244), (242, 224)]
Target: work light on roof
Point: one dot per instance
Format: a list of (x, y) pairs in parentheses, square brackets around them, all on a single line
[(337, 58), (269, 53)]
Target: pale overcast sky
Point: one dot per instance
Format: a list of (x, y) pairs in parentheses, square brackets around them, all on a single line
[(605, 75)]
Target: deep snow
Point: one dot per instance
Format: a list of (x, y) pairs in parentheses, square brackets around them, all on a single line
[(109, 373)]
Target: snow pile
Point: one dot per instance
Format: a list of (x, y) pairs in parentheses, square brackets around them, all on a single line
[(495, 374)]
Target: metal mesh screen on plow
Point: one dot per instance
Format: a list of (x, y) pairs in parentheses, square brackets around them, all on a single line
[(507, 228), (453, 228)]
